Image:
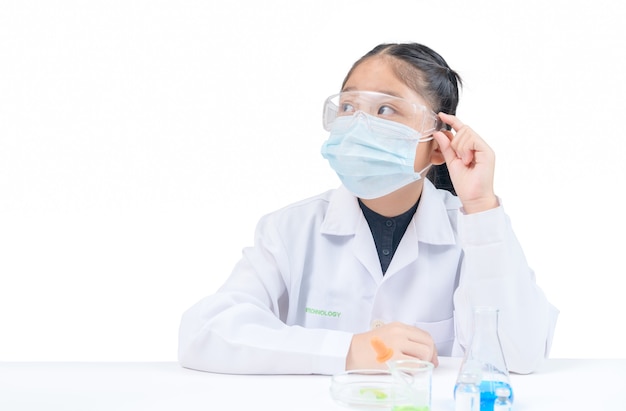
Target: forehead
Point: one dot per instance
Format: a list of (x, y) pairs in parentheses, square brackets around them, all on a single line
[(379, 74)]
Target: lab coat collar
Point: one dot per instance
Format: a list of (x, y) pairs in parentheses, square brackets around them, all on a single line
[(343, 213), (430, 224), (345, 218)]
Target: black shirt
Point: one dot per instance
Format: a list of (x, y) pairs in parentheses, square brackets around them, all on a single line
[(387, 231)]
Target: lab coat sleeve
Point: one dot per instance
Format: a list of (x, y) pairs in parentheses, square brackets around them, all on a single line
[(494, 272), (241, 328)]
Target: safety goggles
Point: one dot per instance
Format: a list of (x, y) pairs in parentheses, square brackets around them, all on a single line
[(381, 105)]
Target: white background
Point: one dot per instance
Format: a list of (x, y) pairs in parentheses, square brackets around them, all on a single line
[(140, 142)]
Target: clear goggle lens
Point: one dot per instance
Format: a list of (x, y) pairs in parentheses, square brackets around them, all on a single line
[(383, 106)]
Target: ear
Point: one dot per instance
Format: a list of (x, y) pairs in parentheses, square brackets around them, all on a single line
[(436, 156)]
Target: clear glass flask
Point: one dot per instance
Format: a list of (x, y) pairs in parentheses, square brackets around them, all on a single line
[(485, 358), (502, 403), (467, 392)]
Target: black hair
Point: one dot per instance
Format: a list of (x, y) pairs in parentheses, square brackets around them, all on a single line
[(427, 73)]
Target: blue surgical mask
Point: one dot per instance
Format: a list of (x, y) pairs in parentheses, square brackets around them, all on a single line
[(372, 156)]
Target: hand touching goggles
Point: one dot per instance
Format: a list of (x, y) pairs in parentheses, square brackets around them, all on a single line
[(383, 106)]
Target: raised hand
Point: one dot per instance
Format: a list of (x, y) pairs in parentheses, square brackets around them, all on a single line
[(471, 164)]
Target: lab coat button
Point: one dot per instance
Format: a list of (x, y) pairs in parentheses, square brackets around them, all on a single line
[(377, 324)]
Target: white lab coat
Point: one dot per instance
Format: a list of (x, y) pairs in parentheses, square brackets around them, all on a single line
[(313, 278)]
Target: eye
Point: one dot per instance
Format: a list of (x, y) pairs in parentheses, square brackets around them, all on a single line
[(386, 111), (346, 108)]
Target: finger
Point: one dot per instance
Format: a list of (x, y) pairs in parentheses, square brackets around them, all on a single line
[(435, 357), (452, 121), (459, 141), (464, 145), (471, 148), (421, 344), (421, 351), (444, 138)]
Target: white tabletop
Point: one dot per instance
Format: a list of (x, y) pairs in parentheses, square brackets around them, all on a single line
[(561, 384)]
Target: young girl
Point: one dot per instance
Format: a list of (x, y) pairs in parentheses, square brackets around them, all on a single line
[(387, 254)]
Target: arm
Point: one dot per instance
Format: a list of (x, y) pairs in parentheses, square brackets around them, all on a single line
[(495, 273), (494, 270), (241, 329)]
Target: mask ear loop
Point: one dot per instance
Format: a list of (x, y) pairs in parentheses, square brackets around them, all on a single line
[(424, 169), (423, 140)]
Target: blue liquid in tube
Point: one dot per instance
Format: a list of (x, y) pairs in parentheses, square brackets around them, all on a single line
[(488, 393)]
